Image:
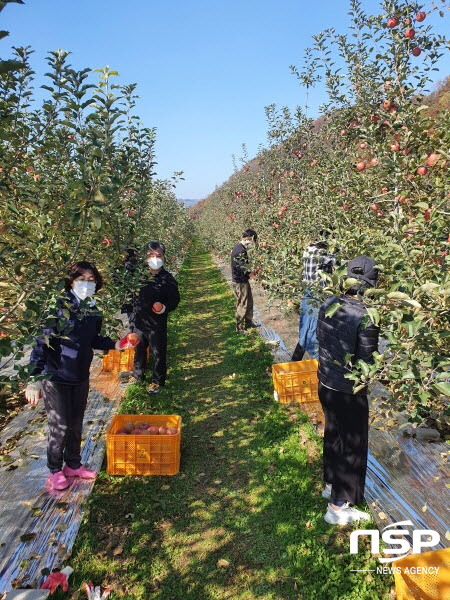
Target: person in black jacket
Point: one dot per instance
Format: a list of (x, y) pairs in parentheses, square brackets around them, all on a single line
[(345, 337), (60, 363), (240, 281), (151, 306)]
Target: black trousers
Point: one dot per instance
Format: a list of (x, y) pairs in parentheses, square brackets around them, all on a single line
[(157, 340), (65, 406), (345, 444)]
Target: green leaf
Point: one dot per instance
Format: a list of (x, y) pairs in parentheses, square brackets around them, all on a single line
[(331, 310), (374, 315), (443, 387), (6, 66)]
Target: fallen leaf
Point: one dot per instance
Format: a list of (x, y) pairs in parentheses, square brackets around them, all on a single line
[(165, 487), (222, 563), (308, 524), (27, 537), (218, 482), (36, 511), (424, 508), (62, 505), (447, 535), (61, 527), (117, 551), (382, 516)]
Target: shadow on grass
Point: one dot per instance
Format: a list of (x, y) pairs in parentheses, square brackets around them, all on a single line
[(248, 491)]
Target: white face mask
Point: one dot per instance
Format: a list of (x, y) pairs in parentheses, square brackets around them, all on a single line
[(247, 243), (155, 263), (84, 289)]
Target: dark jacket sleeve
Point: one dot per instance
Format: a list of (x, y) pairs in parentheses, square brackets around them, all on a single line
[(173, 295), (101, 342), (39, 356), (367, 341)]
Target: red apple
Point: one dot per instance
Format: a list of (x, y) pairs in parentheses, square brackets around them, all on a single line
[(162, 431), (395, 147), (380, 213), (406, 151), (416, 51), (422, 171), (374, 206), (374, 161), (433, 158), (421, 16), (427, 214), (361, 166), (157, 307), (392, 22), (374, 118), (363, 145), (409, 33), (153, 430), (106, 241), (171, 431)]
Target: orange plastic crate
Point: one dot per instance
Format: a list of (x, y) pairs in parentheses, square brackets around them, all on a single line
[(143, 454), (116, 361), (426, 583), (296, 381)]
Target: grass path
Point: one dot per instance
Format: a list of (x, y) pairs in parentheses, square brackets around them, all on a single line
[(249, 487)]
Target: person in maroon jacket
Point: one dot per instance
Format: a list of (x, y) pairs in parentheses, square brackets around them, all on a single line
[(60, 362)]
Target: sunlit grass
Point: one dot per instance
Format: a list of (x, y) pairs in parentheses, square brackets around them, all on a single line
[(248, 491)]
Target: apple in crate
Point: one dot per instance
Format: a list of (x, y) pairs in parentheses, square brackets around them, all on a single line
[(171, 431), (122, 430), (128, 427), (153, 430)]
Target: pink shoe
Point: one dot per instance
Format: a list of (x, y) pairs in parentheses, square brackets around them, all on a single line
[(58, 481), (82, 472)]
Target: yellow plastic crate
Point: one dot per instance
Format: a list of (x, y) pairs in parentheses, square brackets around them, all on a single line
[(296, 381), (144, 454), (411, 584), (116, 361)]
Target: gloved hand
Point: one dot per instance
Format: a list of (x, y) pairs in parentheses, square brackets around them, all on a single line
[(60, 578), (128, 341), (158, 308), (33, 391), (93, 593)]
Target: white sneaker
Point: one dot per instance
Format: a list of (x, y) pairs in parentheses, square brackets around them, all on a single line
[(345, 515), (326, 492)]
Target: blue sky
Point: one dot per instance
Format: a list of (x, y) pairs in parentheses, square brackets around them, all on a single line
[(205, 69)]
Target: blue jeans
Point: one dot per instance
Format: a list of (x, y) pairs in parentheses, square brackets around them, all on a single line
[(309, 313)]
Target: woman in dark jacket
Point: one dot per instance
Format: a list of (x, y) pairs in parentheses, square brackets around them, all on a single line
[(63, 356), (344, 338)]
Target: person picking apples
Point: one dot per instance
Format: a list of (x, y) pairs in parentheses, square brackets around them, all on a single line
[(341, 335), (60, 362), (240, 281), (151, 307), (316, 258)]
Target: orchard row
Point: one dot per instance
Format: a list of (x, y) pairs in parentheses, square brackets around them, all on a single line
[(77, 182), (375, 169)]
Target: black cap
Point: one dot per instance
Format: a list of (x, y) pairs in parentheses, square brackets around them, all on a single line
[(363, 269), (155, 246), (250, 233)]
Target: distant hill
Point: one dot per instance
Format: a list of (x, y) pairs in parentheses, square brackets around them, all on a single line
[(187, 202)]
